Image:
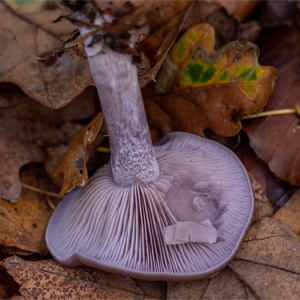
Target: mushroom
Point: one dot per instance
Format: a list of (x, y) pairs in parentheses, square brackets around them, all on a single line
[(175, 211)]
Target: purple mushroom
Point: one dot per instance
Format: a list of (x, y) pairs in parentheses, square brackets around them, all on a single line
[(176, 211)]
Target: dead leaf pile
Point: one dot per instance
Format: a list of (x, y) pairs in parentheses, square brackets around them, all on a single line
[(206, 83)]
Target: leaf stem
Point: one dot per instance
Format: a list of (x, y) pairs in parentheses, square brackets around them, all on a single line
[(50, 203), (31, 188), (275, 112)]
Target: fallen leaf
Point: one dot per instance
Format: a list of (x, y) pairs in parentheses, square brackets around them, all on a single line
[(159, 43), (289, 213), (25, 119), (276, 190), (262, 207), (73, 165), (46, 279), (212, 90), (275, 139), (14, 154), (23, 224), (266, 267), (26, 125), (54, 82)]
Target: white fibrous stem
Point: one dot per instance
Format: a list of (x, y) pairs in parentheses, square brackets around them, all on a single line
[(132, 154)]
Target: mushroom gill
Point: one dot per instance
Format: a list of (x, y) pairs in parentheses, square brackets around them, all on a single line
[(122, 229)]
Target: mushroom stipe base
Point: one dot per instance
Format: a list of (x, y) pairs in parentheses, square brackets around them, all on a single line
[(121, 229)]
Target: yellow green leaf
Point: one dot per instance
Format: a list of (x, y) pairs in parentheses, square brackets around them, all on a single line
[(214, 89)]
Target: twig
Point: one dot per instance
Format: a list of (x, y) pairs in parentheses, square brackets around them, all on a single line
[(276, 112), (103, 149), (29, 187), (50, 202)]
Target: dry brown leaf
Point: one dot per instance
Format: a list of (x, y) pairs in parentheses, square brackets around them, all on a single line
[(266, 267), (262, 207), (290, 212), (73, 165), (53, 83), (23, 224), (15, 153), (276, 190), (158, 44), (46, 279), (25, 119), (275, 139), (204, 89), (23, 123)]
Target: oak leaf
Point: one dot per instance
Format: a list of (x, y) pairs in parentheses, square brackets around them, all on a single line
[(275, 139), (25, 119), (266, 267), (204, 89), (26, 126), (54, 82), (46, 279), (23, 225)]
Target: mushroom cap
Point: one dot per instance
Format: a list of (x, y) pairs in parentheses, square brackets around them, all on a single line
[(148, 231)]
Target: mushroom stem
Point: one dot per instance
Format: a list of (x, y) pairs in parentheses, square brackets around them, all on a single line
[(132, 154)]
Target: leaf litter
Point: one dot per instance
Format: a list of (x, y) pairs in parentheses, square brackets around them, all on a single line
[(267, 263)]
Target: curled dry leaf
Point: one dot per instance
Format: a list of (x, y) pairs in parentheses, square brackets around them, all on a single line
[(289, 213), (46, 279), (73, 165), (275, 139), (158, 44), (266, 267), (23, 225), (203, 89), (54, 82)]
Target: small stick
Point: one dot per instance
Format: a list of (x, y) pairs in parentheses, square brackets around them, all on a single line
[(103, 149), (50, 202), (276, 112), (31, 188)]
